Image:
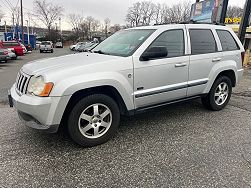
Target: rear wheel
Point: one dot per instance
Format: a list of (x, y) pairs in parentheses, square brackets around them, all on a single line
[(41, 51), (219, 94), (93, 120), (51, 51)]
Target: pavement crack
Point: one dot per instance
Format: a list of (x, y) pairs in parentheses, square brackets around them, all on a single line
[(247, 161)]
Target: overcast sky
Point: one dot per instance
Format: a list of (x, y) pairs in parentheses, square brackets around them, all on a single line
[(99, 9)]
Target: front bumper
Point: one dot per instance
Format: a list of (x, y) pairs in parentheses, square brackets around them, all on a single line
[(42, 113)]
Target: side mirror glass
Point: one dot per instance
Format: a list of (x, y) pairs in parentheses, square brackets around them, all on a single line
[(154, 53)]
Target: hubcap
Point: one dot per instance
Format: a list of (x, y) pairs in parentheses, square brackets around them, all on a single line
[(221, 93), (95, 120)]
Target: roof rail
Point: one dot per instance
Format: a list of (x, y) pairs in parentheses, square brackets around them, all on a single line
[(192, 22), (196, 22)]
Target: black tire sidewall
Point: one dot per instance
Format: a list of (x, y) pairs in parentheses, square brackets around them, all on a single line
[(213, 105), (73, 128)]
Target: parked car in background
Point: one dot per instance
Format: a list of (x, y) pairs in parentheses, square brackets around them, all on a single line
[(38, 44), (72, 47), (24, 49), (87, 47), (76, 46), (3, 55), (11, 54), (46, 46), (59, 45), (14, 46)]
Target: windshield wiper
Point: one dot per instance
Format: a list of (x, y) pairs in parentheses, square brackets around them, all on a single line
[(100, 52)]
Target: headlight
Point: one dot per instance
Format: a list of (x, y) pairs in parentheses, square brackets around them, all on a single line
[(38, 87)]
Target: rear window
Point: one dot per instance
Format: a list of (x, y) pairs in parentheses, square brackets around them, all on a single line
[(228, 42), (45, 43), (10, 44), (202, 41)]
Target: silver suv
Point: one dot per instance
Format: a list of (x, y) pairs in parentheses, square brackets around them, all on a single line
[(46, 46), (131, 71)]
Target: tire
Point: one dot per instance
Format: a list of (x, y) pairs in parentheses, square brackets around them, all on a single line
[(51, 51), (41, 51), (82, 130), (217, 98)]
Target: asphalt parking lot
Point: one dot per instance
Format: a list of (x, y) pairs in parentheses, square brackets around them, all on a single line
[(182, 145)]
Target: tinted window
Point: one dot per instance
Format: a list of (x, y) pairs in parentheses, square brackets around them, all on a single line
[(202, 41), (227, 41), (173, 40), (45, 43)]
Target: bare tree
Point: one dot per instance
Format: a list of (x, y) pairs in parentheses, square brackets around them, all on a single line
[(107, 23), (148, 9), (47, 13), (75, 20), (178, 13), (145, 12), (89, 21), (234, 11), (115, 28), (134, 15)]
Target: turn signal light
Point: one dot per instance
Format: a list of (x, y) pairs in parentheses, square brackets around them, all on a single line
[(47, 89)]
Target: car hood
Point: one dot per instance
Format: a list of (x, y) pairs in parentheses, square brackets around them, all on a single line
[(66, 63)]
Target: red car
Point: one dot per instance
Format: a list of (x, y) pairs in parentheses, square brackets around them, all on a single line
[(16, 46)]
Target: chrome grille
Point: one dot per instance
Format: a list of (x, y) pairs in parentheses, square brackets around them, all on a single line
[(22, 82)]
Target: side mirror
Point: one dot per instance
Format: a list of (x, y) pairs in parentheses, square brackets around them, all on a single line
[(153, 53)]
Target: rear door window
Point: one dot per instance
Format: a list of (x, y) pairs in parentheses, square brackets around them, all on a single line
[(228, 42), (202, 41)]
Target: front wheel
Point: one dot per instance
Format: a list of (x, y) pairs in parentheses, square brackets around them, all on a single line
[(219, 94), (93, 120)]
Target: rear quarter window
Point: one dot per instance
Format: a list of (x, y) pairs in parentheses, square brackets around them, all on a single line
[(228, 42)]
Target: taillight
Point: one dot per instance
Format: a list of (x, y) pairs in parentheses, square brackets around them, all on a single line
[(242, 57)]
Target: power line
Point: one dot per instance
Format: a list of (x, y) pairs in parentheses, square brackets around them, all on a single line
[(7, 6), (10, 5), (17, 4)]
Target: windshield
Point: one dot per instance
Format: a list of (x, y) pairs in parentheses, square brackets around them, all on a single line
[(123, 43)]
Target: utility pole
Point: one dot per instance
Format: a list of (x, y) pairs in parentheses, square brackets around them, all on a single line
[(13, 24), (244, 21), (60, 26), (5, 27), (28, 31), (22, 20)]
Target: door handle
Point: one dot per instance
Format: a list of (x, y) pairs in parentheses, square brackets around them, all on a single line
[(180, 65), (216, 59)]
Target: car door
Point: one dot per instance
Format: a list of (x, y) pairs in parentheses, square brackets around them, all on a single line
[(204, 50), (160, 80)]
